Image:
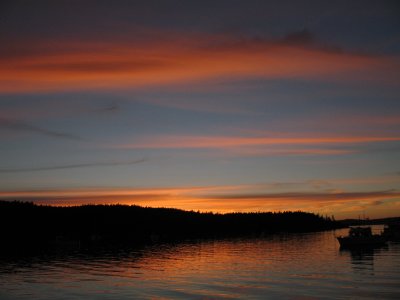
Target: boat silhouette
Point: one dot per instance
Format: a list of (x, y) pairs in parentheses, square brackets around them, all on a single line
[(361, 237), (392, 232)]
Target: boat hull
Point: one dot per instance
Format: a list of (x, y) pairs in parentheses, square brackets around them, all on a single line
[(375, 240), (392, 232)]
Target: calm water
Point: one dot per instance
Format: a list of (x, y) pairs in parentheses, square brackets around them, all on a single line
[(307, 266)]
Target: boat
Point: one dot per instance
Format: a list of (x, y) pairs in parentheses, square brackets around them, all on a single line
[(360, 237), (392, 232)]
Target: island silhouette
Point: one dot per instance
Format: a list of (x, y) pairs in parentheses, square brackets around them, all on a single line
[(27, 226)]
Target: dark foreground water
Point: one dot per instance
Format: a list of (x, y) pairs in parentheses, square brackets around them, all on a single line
[(306, 266)]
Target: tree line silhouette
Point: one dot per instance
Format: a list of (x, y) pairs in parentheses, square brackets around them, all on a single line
[(25, 224)]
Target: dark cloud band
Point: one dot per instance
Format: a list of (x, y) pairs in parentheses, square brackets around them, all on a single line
[(74, 166), (25, 127)]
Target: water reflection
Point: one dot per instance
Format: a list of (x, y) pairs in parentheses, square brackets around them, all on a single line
[(275, 267), (362, 259)]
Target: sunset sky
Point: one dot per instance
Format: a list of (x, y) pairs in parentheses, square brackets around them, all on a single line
[(220, 105)]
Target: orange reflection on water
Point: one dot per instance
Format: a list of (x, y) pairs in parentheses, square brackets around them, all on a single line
[(276, 266)]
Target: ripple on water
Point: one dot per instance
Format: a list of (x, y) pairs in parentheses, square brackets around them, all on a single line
[(279, 267)]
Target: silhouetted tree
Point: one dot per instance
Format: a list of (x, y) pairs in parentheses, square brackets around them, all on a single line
[(24, 224)]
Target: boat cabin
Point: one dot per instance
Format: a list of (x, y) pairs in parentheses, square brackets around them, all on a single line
[(360, 232)]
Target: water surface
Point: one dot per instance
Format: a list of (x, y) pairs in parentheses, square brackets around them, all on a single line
[(301, 266)]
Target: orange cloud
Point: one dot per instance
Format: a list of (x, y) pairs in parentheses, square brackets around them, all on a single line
[(309, 197), (42, 65), (254, 151), (155, 196), (240, 141)]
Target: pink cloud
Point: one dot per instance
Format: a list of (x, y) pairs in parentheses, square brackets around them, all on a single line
[(176, 59), (227, 142)]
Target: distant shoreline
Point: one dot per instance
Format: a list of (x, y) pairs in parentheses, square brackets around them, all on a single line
[(360, 222), (26, 226)]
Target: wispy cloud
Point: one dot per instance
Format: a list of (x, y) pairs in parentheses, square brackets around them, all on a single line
[(73, 166), (229, 142), (355, 121), (178, 59), (302, 37), (310, 196), (20, 126), (112, 107)]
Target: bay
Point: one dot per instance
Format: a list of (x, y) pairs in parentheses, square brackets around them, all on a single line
[(284, 266)]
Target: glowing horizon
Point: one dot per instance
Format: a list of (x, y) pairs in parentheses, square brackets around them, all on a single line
[(224, 199)]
